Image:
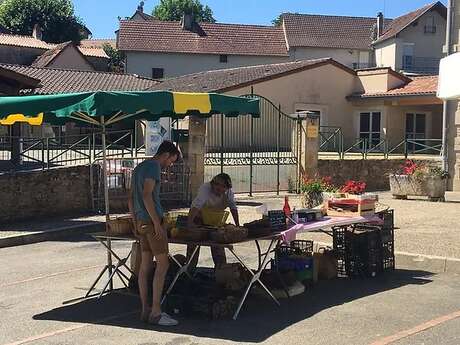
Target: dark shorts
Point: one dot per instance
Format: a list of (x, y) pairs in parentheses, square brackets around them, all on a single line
[(150, 244)]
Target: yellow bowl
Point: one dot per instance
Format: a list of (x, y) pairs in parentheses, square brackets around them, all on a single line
[(214, 217)]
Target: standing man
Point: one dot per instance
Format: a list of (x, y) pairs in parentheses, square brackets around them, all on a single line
[(147, 213)]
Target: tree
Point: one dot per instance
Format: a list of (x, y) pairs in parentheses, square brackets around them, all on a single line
[(56, 18), (278, 20), (173, 10), (116, 62)]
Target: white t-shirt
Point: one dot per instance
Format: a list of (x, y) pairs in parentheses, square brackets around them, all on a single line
[(206, 198)]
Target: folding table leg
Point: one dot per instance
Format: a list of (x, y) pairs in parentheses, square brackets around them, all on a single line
[(182, 269), (97, 280), (255, 278)]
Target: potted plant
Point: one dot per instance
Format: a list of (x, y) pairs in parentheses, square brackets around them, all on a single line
[(419, 180), (315, 190), (353, 187)]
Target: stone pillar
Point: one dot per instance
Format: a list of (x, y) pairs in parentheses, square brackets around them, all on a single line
[(455, 161), (194, 152), (309, 145)]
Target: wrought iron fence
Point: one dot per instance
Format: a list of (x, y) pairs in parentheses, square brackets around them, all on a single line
[(259, 153), (175, 183)]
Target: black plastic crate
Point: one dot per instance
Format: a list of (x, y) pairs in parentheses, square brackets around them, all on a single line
[(365, 250), (304, 246)]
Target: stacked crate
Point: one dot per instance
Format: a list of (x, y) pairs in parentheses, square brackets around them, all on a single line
[(365, 250)]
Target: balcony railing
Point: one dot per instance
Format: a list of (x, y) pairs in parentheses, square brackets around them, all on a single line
[(363, 65), (420, 65)]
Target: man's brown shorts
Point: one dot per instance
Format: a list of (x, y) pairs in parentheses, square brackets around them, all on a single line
[(150, 244)]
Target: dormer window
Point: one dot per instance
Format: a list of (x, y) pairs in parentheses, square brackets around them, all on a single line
[(430, 27)]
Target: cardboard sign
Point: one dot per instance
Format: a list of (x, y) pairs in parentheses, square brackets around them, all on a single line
[(312, 131)]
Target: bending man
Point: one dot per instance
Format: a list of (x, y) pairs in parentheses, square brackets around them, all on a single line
[(214, 195)]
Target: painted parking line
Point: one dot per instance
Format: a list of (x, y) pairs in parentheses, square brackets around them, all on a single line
[(70, 329), (417, 329), (49, 276)]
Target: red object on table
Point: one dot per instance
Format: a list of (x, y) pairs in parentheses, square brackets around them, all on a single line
[(287, 208)]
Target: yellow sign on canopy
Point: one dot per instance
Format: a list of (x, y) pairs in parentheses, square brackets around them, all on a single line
[(191, 101), (33, 121)]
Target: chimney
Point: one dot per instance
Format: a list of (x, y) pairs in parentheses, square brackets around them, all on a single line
[(37, 32), (380, 25), (140, 8), (187, 21)]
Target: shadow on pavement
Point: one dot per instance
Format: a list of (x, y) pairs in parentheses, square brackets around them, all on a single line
[(259, 318)]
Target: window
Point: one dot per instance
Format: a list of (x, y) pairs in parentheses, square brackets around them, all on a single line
[(415, 130), (369, 127), (158, 73), (430, 27), (408, 56), (223, 58)]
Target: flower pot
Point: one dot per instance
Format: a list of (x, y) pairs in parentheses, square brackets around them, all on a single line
[(312, 199), (403, 186)]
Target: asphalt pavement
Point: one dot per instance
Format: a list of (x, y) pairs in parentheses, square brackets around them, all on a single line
[(40, 285)]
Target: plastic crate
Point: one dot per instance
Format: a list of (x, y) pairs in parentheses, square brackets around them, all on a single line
[(304, 246), (364, 250)]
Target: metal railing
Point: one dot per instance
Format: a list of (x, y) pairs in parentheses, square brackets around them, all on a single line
[(69, 150), (405, 148), (331, 140), (420, 65)]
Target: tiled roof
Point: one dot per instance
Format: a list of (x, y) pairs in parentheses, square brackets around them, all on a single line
[(206, 38), (97, 42), (21, 79), (47, 57), (233, 78), (31, 42), (67, 81), (402, 22), (419, 86), (94, 52), (24, 41), (306, 30)]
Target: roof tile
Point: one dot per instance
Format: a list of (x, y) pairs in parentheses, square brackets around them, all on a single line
[(305, 30), (68, 81), (227, 79), (400, 23), (206, 38), (419, 86)]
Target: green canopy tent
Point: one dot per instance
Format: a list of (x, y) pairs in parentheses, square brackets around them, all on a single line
[(103, 109)]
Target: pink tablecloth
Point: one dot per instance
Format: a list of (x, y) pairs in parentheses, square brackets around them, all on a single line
[(325, 223)]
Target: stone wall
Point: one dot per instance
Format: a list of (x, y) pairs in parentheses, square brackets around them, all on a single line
[(373, 172), (60, 191)]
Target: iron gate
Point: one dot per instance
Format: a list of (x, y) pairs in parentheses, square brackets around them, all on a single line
[(260, 154)]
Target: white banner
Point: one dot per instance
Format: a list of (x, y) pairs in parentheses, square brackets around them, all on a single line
[(155, 133), (449, 77)]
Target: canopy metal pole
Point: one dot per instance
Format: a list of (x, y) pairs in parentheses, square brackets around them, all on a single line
[(106, 202)]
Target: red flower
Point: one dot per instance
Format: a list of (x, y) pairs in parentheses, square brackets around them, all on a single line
[(354, 187), (409, 167)]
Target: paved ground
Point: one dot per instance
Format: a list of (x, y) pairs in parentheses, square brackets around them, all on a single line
[(36, 281)]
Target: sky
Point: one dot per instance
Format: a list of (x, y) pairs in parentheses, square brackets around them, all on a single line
[(100, 16)]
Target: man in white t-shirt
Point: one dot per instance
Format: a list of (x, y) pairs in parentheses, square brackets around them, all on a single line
[(217, 195)]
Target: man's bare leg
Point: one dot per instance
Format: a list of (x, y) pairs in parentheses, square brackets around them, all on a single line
[(162, 265), (145, 272)]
